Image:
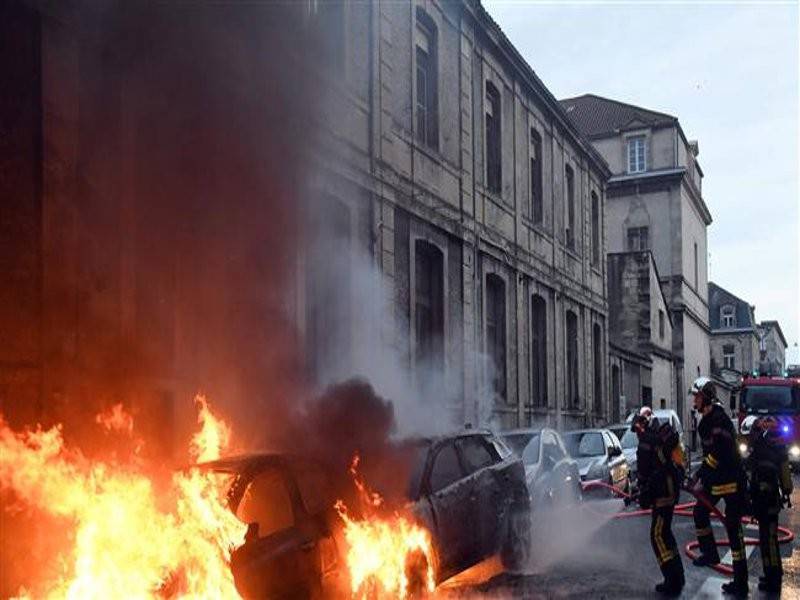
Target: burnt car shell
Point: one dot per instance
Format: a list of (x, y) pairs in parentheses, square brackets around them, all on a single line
[(469, 491), (290, 549)]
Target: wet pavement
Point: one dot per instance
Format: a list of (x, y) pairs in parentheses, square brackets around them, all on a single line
[(592, 555)]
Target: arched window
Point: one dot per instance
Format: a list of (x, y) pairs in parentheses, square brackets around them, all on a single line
[(573, 400), (427, 92), (428, 305), (538, 351), (596, 233), (537, 202), (597, 356), (494, 168), (496, 330)]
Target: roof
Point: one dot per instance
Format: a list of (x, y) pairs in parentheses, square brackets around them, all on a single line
[(744, 311), (538, 86), (774, 325), (596, 116)]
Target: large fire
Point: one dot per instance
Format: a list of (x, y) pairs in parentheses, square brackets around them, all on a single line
[(127, 539), (388, 555)]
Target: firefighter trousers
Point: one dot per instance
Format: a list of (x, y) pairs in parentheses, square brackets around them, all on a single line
[(768, 546), (665, 546), (733, 525)]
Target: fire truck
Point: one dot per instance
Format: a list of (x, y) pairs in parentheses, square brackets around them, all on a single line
[(776, 396)]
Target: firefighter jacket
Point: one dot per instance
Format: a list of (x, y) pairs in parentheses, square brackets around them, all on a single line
[(770, 475), (721, 471), (658, 475)]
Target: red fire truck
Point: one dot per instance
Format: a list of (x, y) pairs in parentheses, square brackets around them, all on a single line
[(776, 396)]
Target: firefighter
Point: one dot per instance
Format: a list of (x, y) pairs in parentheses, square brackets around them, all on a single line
[(719, 476), (770, 487), (659, 486)]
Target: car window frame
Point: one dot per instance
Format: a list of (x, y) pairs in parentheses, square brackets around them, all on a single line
[(465, 467), (292, 491), (433, 456)]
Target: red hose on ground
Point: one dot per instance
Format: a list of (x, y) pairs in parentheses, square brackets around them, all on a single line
[(685, 510)]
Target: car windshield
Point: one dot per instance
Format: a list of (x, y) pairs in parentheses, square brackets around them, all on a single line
[(629, 440), (525, 445), (770, 398), (589, 443)]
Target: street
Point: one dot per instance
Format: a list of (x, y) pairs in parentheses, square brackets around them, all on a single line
[(592, 555)]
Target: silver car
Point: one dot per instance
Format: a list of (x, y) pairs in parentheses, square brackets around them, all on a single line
[(599, 456), (550, 472)]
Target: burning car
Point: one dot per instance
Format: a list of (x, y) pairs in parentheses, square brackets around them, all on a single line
[(467, 490), (294, 536)]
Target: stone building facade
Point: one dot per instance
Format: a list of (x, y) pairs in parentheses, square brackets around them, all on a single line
[(439, 160), (654, 202), (772, 348), (735, 337), (642, 367)]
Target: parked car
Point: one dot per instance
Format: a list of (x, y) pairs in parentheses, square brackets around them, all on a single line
[(629, 442), (599, 456), (550, 472), (467, 489)]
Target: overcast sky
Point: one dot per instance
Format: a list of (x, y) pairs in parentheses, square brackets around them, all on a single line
[(729, 72)]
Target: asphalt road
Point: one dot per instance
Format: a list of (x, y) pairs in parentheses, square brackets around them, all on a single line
[(589, 554)]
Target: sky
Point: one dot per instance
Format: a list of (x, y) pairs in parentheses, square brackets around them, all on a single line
[(729, 72)]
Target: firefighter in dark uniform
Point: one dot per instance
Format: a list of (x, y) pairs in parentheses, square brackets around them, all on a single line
[(659, 485), (720, 477), (770, 487)]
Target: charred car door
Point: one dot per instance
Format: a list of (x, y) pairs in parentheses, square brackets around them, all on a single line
[(488, 499), (279, 557), (449, 496)]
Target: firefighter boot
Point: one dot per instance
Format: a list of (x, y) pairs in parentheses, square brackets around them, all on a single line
[(771, 581), (673, 578), (709, 555), (737, 587)]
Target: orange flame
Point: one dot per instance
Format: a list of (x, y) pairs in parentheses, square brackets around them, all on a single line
[(387, 556), (124, 542)]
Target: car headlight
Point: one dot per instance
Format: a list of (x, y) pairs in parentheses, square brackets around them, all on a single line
[(794, 451), (742, 448)]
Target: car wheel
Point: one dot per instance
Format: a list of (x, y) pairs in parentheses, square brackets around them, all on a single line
[(516, 550)]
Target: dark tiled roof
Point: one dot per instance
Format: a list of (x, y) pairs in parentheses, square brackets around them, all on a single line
[(718, 297), (596, 116)]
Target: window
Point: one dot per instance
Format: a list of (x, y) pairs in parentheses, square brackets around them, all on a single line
[(266, 501), (637, 161), (494, 173), (580, 445), (538, 350), (537, 202), (569, 177), (728, 357), (496, 330), (427, 89), (428, 305), (572, 359), (615, 394), (638, 238), (328, 22), (696, 267), (597, 366), (728, 316), (446, 468), (474, 454), (661, 324), (595, 229)]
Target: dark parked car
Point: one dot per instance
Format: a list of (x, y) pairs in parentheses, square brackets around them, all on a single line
[(550, 472), (467, 489), (599, 455)]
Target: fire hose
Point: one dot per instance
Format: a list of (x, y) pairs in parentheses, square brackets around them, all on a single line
[(685, 510)]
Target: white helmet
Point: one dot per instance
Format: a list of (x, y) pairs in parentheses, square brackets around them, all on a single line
[(646, 412), (704, 386)]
